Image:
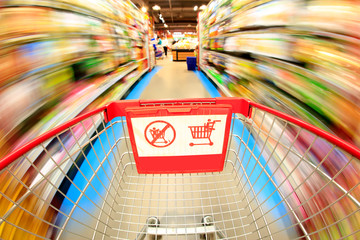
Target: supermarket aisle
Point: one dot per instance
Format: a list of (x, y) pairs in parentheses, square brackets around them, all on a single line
[(173, 80)]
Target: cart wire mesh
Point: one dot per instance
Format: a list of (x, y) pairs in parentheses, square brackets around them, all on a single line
[(280, 181)]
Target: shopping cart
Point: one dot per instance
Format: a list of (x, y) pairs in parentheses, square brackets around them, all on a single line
[(281, 178), (203, 132), (158, 134), (159, 52)]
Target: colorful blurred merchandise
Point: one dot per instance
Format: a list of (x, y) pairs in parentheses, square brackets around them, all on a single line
[(15, 22), (317, 64), (270, 13), (238, 4), (302, 58), (51, 48), (269, 43), (50, 73), (60, 58), (339, 16)]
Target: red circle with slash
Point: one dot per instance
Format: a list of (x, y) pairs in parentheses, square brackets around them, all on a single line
[(160, 134)]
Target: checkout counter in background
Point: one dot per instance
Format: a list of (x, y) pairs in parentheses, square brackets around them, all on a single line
[(182, 54)]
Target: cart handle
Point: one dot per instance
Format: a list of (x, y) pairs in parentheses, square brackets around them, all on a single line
[(118, 108), (8, 159), (348, 147)]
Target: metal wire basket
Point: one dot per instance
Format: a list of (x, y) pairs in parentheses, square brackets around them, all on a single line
[(281, 179)]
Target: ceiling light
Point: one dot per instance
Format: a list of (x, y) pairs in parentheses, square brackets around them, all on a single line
[(165, 25), (143, 9), (189, 25), (202, 7), (156, 7), (195, 8)]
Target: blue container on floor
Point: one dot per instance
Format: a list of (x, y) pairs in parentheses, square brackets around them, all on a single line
[(191, 63)]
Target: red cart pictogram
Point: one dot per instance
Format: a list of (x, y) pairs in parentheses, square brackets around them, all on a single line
[(203, 132), (160, 134)]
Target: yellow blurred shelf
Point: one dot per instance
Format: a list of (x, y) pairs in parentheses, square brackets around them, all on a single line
[(65, 7)]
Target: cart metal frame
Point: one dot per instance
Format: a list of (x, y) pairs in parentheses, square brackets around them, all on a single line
[(279, 182)]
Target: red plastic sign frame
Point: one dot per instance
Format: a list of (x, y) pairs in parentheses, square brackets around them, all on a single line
[(179, 163)]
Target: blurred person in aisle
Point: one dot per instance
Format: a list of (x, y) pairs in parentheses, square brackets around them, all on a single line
[(165, 44), (159, 50)]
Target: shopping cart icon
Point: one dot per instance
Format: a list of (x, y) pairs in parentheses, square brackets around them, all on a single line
[(160, 134), (203, 132)]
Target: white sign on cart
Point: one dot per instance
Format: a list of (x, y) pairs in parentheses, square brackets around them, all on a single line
[(179, 135)]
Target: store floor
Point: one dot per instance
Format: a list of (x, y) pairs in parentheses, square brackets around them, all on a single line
[(173, 80)]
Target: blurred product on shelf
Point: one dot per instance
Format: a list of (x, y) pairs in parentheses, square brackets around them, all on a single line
[(302, 58), (297, 49), (58, 59), (50, 48), (186, 43), (151, 39)]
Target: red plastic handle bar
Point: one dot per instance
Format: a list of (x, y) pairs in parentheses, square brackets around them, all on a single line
[(43, 137), (117, 109), (350, 148)]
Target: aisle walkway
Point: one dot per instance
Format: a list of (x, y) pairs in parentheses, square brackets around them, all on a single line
[(173, 80)]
